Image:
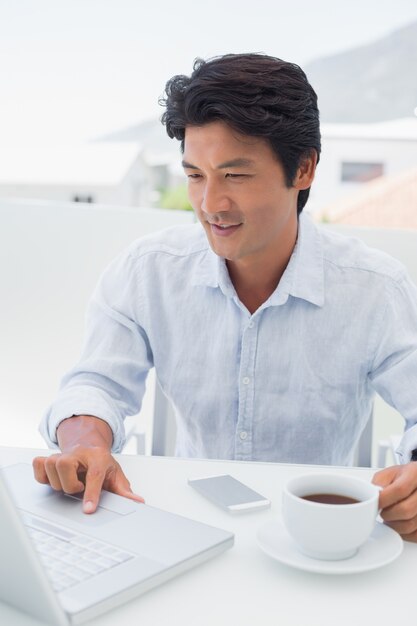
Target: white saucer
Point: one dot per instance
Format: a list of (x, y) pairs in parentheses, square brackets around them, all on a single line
[(383, 546)]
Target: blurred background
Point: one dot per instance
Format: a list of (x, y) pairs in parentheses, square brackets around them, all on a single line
[(81, 80), (80, 140)]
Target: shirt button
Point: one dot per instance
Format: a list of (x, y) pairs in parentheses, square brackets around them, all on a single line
[(250, 325), (243, 435), (246, 380)]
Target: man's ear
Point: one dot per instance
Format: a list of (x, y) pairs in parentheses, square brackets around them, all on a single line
[(306, 170)]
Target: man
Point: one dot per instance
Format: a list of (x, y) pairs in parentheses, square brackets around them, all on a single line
[(269, 336)]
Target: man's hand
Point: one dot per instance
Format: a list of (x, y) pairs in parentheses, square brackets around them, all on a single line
[(85, 463), (398, 499)]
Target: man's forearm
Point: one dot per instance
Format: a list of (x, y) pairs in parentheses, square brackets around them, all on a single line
[(85, 430)]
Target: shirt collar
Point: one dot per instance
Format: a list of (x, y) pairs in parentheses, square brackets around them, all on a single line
[(303, 277), (211, 271), (308, 276), (207, 269)]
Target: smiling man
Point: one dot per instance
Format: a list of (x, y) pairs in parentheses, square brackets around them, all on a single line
[(269, 335), (247, 209)]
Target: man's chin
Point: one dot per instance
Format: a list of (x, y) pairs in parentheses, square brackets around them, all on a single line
[(222, 249)]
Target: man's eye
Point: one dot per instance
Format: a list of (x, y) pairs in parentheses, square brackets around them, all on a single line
[(235, 175), (194, 176)]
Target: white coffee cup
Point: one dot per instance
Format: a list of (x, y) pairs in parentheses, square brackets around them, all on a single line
[(329, 531)]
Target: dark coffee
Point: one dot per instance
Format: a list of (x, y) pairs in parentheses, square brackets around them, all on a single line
[(330, 498)]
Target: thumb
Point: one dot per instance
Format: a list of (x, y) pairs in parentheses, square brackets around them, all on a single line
[(128, 493), (385, 477), (122, 487)]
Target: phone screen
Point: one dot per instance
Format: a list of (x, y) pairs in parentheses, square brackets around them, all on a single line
[(226, 491)]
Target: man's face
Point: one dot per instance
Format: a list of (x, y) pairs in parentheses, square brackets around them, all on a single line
[(237, 188)]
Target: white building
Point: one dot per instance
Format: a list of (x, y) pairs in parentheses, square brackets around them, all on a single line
[(353, 154), (92, 172)]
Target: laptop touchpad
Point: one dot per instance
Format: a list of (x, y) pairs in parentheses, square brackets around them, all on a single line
[(111, 502), (59, 505)]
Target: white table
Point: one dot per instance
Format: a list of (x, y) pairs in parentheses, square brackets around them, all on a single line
[(243, 586)]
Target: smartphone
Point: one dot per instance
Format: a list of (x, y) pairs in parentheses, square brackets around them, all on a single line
[(228, 493)]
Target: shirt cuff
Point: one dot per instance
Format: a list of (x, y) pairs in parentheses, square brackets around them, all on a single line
[(407, 444), (82, 402)]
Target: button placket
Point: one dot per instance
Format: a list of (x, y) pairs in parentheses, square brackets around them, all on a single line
[(243, 439)]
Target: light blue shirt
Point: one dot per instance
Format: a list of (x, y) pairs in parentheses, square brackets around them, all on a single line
[(294, 382)]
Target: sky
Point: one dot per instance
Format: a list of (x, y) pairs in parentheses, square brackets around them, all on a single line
[(78, 69)]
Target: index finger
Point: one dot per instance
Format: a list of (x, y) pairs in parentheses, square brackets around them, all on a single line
[(94, 480)]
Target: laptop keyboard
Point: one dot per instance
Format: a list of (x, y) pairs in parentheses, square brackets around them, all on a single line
[(70, 558)]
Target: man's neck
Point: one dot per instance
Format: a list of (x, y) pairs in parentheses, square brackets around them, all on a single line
[(256, 279)]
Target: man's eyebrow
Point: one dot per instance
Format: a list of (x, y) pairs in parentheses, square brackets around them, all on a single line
[(188, 166), (232, 163), (236, 163)]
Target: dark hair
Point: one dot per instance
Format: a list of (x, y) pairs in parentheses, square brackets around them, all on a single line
[(255, 94)]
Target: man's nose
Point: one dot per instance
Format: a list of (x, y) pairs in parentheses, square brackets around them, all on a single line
[(214, 200)]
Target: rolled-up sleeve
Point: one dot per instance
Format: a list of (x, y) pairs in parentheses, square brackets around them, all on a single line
[(109, 379), (394, 371)]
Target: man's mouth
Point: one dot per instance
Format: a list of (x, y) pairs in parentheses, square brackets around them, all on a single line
[(223, 229)]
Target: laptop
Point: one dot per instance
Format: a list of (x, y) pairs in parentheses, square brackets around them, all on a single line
[(65, 567)]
